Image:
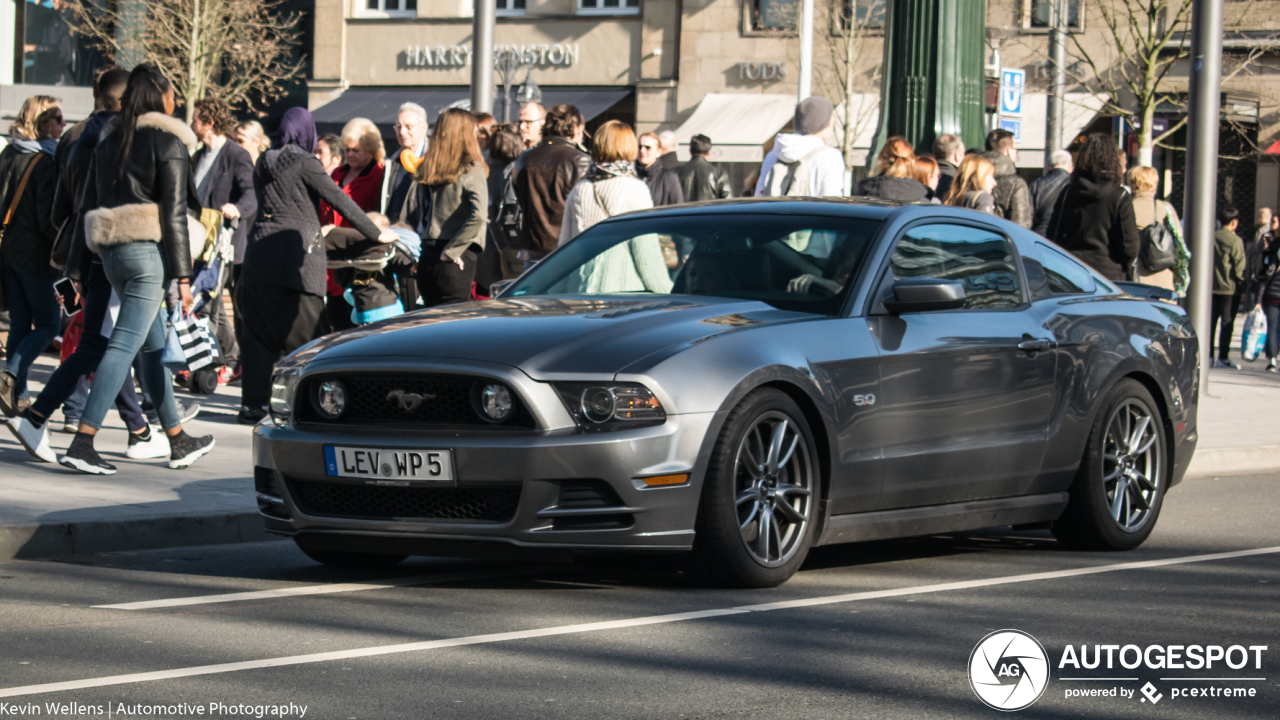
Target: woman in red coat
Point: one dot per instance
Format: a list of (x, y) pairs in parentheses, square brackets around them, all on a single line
[(360, 177)]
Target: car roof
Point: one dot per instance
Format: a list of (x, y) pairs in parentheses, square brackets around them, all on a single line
[(860, 207)]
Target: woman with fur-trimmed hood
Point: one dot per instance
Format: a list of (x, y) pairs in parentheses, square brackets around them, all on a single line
[(140, 208)]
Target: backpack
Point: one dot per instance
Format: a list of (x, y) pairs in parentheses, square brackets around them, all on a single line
[(505, 228), (1158, 251), (790, 178)]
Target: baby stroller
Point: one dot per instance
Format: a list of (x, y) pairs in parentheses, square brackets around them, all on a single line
[(211, 270), (373, 272)]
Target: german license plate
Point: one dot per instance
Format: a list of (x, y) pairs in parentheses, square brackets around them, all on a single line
[(388, 464)]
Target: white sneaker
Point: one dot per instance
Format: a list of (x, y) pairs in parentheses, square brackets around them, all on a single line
[(156, 447), (34, 439)]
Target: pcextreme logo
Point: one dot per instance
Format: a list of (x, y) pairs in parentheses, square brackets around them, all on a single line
[(1009, 670)]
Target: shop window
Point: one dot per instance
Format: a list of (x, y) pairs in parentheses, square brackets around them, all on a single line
[(782, 15), (1040, 14), (608, 7), (510, 7), (385, 8)]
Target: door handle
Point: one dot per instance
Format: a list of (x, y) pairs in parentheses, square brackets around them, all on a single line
[(1035, 346)]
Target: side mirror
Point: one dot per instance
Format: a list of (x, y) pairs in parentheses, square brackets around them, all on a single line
[(925, 294), (496, 289)]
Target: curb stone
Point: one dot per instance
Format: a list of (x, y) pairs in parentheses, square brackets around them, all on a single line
[(97, 536)]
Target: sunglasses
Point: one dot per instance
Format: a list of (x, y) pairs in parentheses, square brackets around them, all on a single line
[(648, 147)]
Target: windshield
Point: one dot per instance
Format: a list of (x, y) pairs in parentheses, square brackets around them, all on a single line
[(793, 262)]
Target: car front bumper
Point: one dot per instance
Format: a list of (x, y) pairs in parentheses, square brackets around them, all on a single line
[(547, 468)]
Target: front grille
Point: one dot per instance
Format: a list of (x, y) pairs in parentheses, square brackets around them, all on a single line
[(578, 494), (406, 400), (371, 502)]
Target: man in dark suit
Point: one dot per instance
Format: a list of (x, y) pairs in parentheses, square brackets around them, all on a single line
[(224, 181)]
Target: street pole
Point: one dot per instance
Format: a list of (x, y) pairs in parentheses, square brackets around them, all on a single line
[(482, 56), (805, 88), (1053, 139), (1202, 167)]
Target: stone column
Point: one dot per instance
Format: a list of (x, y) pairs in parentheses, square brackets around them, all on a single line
[(932, 78)]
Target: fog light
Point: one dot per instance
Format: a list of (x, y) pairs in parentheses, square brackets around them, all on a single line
[(496, 404), (598, 404), (331, 399)]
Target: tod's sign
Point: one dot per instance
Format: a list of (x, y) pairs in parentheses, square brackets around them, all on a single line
[(543, 55), (761, 71)]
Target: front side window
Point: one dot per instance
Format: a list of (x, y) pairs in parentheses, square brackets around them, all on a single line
[(790, 262), (980, 260), (390, 7), (608, 7)]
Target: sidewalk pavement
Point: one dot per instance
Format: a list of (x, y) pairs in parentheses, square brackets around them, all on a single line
[(47, 510)]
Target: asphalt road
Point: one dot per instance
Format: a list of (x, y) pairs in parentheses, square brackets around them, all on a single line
[(874, 630)]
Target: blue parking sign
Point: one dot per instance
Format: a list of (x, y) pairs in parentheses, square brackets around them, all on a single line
[(1012, 82), (1013, 126)]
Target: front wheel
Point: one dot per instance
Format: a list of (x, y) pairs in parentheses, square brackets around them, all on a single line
[(1118, 491), (759, 505)]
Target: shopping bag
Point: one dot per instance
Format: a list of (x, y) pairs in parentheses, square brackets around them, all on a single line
[(188, 343), (1255, 334)]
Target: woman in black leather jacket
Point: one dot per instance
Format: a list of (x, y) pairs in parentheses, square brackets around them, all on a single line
[(138, 203), (281, 288)]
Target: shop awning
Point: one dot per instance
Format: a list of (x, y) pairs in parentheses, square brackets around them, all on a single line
[(738, 124), (381, 105)]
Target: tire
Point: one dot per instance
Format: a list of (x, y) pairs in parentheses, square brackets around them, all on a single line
[(1094, 520), (204, 382), (346, 558), (739, 495)]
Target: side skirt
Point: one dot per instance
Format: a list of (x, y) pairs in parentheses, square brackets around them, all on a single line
[(885, 524)]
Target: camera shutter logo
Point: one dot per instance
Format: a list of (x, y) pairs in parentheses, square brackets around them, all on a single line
[(1008, 670)]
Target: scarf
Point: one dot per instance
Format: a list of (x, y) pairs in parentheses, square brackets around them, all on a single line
[(409, 161), (297, 128), (604, 171), (47, 145)]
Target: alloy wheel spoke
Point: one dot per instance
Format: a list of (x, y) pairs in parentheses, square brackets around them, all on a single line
[(1146, 446), (775, 447), (791, 449), (789, 513), (1114, 474), (785, 489), (746, 496), (1143, 481), (1136, 497), (1117, 503), (751, 517), (1135, 436), (777, 536), (765, 532)]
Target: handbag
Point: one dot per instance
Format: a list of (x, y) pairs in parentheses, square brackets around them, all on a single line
[(1158, 252), (1255, 334), (8, 215), (188, 343)]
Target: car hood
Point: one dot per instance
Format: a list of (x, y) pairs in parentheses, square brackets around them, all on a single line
[(553, 337)]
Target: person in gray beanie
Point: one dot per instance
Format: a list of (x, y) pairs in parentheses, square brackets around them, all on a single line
[(803, 162)]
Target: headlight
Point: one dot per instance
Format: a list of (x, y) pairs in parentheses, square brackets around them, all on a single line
[(494, 402), (330, 399), (284, 385), (611, 406)]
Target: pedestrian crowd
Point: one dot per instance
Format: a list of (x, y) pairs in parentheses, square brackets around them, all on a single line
[(329, 233)]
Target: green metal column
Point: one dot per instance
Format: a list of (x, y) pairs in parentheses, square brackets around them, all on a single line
[(933, 76)]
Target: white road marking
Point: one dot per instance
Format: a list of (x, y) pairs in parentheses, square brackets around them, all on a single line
[(314, 590), (608, 625)]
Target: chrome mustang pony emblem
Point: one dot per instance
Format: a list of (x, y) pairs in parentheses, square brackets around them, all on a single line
[(408, 403)]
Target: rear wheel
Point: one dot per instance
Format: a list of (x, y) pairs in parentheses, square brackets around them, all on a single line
[(1118, 491), (345, 558), (759, 503)]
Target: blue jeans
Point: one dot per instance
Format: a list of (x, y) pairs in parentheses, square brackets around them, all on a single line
[(136, 273), (34, 321), (65, 383)]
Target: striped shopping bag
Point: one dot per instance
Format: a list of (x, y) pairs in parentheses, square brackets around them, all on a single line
[(189, 345)]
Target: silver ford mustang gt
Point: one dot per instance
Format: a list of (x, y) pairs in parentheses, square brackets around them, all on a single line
[(742, 380)]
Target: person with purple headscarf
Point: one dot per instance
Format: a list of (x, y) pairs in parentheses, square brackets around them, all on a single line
[(281, 288)]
